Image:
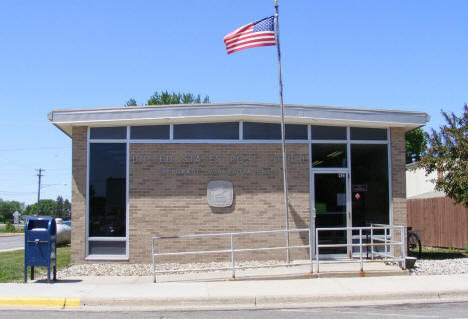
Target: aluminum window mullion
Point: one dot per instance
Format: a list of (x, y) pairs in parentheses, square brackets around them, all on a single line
[(241, 130), (94, 238), (108, 141), (87, 192)]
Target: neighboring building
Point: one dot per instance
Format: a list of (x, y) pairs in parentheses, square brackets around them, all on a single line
[(418, 185), (438, 220), (181, 169)]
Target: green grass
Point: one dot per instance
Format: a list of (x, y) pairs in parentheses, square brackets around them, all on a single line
[(17, 229), (12, 264), (434, 253)]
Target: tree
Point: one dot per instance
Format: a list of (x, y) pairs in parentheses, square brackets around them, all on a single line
[(67, 208), (175, 98), (59, 210), (47, 208), (131, 102), (7, 208), (447, 155), (415, 145)]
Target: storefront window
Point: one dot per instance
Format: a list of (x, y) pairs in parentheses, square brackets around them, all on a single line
[(207, 131), (109, 133), (149, 132), (107, 190), (369, 179), (363, 133), (272, 131), (328, 132)]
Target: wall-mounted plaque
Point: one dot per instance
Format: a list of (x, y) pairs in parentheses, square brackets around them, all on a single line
[(219, 193)]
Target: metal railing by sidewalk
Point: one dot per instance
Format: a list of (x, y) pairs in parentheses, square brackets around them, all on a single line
[(376, 240), (372, 240)]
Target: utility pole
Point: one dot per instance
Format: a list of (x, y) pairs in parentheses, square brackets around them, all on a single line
[(40, 170)]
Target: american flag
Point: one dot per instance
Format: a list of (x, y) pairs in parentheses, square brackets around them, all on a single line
[(255, 34)]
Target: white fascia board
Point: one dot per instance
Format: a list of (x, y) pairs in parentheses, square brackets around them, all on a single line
[(144, 115)]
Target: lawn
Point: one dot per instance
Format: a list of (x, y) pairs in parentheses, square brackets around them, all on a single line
[(434, 253), (12, 264)]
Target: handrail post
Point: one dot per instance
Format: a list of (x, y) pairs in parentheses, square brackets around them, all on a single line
[(154, 265), (317, 249), (360, 249), (403, 248), (372, 242), (385, 243), (232, 257), (310, 251)]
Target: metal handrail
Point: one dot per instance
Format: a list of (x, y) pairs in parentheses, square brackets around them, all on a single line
[(232, 249), (386, 243), (376, 241)]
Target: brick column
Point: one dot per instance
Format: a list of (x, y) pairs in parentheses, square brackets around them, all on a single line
[(79, 162), (399, 214)]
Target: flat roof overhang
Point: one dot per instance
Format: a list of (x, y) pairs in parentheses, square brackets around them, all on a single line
[(231, 112)]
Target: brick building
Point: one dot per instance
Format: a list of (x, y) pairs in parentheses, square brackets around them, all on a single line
[(168, 170)]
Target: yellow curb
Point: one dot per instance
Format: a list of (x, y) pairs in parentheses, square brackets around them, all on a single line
[(11, 234), (39, 302)]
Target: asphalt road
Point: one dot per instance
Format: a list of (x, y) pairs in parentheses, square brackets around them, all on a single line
[(456, 310), (11, 242)]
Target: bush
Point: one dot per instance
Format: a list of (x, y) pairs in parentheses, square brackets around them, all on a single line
[(9, 227)]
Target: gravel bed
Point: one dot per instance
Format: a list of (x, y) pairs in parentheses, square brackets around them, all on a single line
[(422, 267), (440, 267), (147, 269)]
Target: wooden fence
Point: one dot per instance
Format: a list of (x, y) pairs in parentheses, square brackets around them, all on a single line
[(439, 222)]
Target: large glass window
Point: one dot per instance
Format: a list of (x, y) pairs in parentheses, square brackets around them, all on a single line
[(369, 179), (208, 131), (107, 190), (272, 131), (329, 155)]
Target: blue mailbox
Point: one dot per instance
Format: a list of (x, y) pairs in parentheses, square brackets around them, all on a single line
[(40, 235)]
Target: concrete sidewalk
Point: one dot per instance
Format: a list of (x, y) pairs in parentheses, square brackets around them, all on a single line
[(138, 293)]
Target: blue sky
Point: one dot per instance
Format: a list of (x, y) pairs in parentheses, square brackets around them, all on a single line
[(405, 55)]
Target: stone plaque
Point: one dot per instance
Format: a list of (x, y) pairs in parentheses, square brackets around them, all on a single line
[(219, 193)]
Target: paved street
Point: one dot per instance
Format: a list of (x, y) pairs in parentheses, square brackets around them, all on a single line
[(11, 242), (456, 310)]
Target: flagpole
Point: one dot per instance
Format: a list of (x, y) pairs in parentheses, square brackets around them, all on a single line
[(283, 144)]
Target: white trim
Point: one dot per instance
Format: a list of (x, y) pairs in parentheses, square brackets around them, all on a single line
[(222, 112), (171, 131), (107, 257)]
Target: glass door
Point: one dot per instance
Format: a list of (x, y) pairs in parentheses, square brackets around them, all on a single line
[(331, 207)]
